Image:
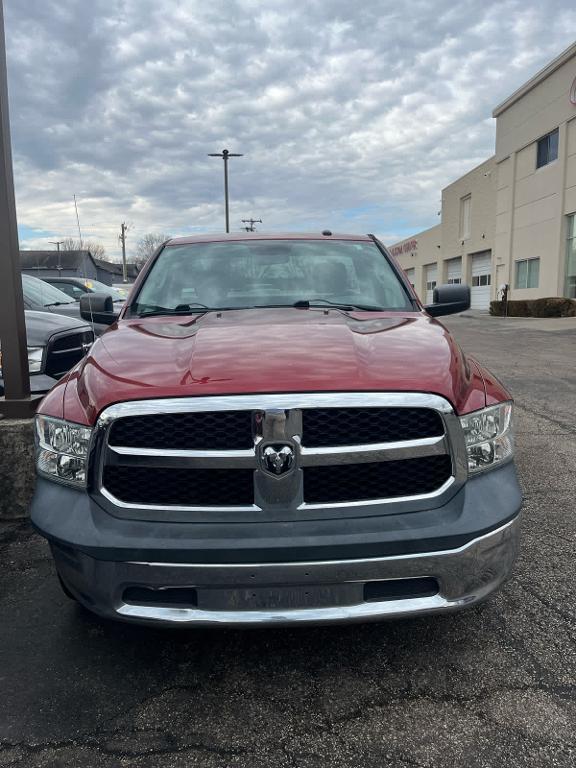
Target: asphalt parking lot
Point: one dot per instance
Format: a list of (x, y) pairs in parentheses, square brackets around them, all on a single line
[(489, 687)]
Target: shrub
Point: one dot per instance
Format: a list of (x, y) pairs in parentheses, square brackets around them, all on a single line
[(553, 306)]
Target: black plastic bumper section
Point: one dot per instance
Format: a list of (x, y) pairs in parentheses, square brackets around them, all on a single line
[(72, 519)]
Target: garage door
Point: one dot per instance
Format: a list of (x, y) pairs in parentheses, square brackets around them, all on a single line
[(431, 273), (481, 280), (411, 275), (454, 271)]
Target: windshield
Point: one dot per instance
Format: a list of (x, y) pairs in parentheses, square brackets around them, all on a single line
[(95, 286), (38, 292), (255, 273)]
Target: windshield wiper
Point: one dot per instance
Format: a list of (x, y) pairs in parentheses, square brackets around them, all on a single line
[(307, 303), (189, 309), (59, 303), (181, 309)]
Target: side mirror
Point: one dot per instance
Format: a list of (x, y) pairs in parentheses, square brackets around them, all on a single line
[(449, 299), (98, 308)]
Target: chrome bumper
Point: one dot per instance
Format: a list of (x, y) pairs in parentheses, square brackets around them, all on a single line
[(465, 576)]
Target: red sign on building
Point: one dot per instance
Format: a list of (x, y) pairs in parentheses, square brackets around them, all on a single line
[(410, 246)]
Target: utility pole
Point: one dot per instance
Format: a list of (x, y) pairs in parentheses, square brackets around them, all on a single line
[(122, 238), (225, 154), (16, 402), (250, 224), (57, 243)]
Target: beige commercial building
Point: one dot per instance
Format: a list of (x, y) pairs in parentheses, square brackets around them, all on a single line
[(512, 220)]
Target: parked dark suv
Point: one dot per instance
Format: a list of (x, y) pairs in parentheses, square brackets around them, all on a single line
[(55, 344)]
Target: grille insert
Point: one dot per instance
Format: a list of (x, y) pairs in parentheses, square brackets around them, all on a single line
[(325, 427), (65, 351), (385, 480), (216, 431), (167, 486)]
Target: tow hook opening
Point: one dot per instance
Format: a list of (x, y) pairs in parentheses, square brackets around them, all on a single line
[(185, 597), (400, 589)]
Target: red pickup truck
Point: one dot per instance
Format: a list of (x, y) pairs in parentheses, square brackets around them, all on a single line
[(273, 431)]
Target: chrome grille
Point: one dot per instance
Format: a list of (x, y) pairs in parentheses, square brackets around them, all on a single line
[(210, 455)]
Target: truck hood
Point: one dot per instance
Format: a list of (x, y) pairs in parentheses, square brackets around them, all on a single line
[(40, 326), (272, 350)]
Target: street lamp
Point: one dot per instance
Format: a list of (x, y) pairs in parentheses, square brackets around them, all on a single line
[(225, 154)]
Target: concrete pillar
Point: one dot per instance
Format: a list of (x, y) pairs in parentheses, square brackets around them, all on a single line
[(17, 475)]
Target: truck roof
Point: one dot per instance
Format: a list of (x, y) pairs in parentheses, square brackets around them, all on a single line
[(220, 237)]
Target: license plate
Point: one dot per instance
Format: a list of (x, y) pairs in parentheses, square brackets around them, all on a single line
[(277, 598)]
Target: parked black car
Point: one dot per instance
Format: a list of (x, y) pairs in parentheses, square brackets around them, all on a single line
[(74, 287), (55, 344), (42, 297)]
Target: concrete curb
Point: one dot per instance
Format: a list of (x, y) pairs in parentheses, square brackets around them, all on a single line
[(17, 476)]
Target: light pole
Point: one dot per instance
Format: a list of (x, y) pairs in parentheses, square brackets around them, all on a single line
[(225, 154)]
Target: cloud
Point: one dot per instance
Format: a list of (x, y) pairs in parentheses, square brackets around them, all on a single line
[(351, 116)]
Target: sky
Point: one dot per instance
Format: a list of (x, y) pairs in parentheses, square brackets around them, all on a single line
[(350, 116)]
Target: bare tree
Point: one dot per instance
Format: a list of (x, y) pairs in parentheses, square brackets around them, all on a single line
[(71, 244), (147, 245)]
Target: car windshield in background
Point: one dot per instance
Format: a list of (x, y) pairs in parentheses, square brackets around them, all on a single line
[(41, 293), (96, 286), (244, 274)]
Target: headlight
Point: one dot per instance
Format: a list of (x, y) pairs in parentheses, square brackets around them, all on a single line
[(35, 359), (489, 436), (62, 450), (35, 355)]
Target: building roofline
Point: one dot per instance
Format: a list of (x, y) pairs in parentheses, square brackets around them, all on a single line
[(491, 159), (551, 67), (415, 236)]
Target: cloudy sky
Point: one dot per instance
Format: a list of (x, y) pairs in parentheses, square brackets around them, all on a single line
[(350, 115)]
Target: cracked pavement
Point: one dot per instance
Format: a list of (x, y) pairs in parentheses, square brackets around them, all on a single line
[(489, 687)]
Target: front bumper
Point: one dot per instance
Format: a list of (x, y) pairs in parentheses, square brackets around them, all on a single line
[(277, 594)]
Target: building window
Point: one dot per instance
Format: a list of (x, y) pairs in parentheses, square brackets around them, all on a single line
[(478, 280), (571, 258), (454, 281), (547, 149), (465, 204), (527, 273), (430, 285)]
